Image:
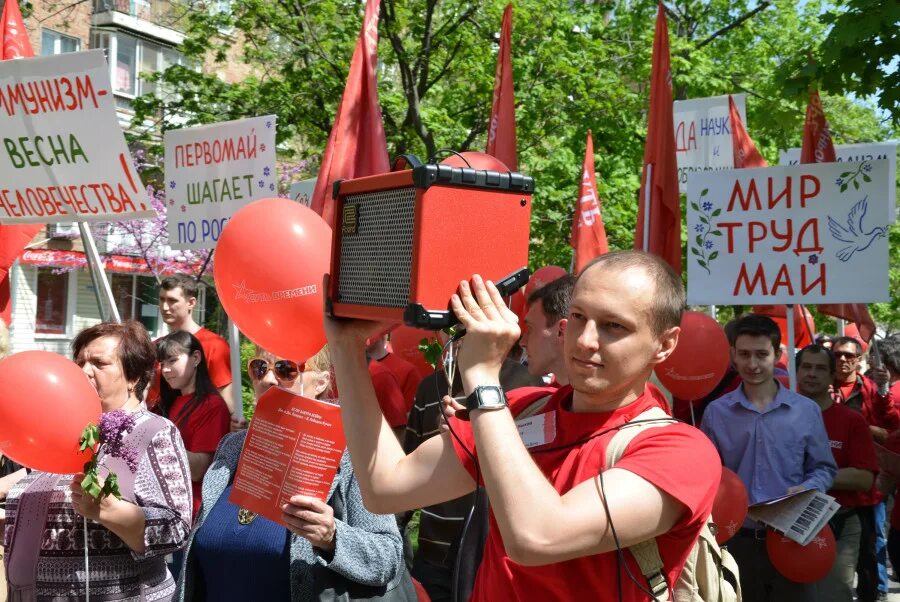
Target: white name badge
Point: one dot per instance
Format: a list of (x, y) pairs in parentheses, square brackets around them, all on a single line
[(537, 430)]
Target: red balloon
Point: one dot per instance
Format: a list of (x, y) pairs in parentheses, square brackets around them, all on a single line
[(476, 160), (803, 322), (270, 261), (803, 564), (730, 506), (699, 361), (47, 401), (542, 277), (405, 343)]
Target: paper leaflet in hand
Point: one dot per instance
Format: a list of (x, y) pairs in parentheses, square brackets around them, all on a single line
[(799, 516), (293, 447)]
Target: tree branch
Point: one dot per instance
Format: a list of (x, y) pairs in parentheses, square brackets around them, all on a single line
[(736, 23)]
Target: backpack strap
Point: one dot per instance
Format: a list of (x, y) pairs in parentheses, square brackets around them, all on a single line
[(646, 553)]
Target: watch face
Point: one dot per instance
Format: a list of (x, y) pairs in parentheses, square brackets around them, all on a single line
[(490, 397)]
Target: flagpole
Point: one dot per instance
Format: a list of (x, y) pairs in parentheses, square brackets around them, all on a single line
[(98, 274), (791, 351), (840, 327), (234, 342), (648, 169)]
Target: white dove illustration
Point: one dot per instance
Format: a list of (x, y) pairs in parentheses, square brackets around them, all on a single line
[(853, 234)]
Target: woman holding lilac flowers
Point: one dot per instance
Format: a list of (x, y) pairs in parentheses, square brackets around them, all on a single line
[(330, 551), (128, 538)]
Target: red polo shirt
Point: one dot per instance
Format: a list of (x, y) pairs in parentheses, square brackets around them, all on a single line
[(852, 447), (677, 458)]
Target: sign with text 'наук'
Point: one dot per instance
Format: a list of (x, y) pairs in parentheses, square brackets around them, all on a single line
[(813, 233), (869, 151), (703, 134), (214, 170), (63, 155)]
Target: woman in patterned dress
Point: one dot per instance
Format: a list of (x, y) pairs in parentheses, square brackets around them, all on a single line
[(128, 538)]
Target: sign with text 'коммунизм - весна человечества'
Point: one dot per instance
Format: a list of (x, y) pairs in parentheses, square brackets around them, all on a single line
[(214, 170), (63, 155), (814, 233)]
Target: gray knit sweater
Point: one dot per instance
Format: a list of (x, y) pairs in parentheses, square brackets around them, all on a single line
[(368, 548)]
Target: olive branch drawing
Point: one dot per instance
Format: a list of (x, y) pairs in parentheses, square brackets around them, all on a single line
[(849, 177), (703, 251)]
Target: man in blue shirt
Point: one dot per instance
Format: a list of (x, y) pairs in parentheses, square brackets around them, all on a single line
[(775, 440)]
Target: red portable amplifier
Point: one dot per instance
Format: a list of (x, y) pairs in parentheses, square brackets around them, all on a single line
[(403, 240)]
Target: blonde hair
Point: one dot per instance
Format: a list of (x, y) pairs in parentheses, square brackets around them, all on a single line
[(320, 362)]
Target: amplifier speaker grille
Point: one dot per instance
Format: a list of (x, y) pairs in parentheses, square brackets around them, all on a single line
[(376, 259)]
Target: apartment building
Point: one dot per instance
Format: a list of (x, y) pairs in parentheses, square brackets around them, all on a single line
[(52, 290)]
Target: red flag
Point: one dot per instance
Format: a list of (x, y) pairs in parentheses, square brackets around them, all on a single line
[(588, 233), (356, 146), (745, 152), (14, 44), (502, 133), (819, 148), (817, 144), (664, 231)]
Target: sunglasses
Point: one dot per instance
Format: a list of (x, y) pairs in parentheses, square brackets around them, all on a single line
[(845, 355), (284, 370)]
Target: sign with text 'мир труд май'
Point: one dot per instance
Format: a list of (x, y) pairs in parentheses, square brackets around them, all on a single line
[(814, 233), (214, 170), (64, 157)]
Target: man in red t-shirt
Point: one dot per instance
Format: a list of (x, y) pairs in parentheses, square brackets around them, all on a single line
[(854, 453), (860, 392), (550, 537), (405, 373), (390, 397), (177, 299)]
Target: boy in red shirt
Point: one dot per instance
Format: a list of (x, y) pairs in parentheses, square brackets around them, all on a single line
[(550, 536)]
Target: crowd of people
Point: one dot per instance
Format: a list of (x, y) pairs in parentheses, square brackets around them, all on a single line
[(505, 455)]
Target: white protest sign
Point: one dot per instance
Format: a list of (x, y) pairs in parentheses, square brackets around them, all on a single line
[(64, 157), (214, 170), (303, 190), (860, 152), (798, 234), (703, 134)]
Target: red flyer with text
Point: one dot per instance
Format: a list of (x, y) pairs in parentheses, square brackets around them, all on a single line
[(294, 446)]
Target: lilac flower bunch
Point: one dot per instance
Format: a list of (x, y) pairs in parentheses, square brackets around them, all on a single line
[(107, 439)]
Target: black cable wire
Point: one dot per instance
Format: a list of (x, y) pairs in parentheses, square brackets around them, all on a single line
[(450, 151), (620, 553)]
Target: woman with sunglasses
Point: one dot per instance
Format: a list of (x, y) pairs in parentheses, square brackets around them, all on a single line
[(189, 398), (336, 550)]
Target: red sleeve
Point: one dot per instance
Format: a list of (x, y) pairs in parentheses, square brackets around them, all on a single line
[(862, 447), (218, 362), (463, 440), (679, 460), (209, 423), (518, 399), (389, 396)]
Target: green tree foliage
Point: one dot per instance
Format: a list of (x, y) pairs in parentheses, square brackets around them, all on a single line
[(858, 55), (577, 66)]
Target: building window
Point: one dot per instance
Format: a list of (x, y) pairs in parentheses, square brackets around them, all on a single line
[(53, 42), (137, 299), (52, 294), (135, 59)]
